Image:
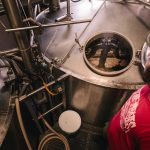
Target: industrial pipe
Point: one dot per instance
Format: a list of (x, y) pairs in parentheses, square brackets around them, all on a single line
[(48, 25), (14, 15)]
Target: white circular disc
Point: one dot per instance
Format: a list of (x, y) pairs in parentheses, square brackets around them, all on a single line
[(69, 121)]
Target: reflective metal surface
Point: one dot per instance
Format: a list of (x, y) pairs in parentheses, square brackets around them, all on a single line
[(112, 17), (145, 54), (96, 97), (6, 106), (57, 41), (95, 104), (130, 27), (15, 18)]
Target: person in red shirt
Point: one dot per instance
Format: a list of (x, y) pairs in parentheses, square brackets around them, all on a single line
[(129, 129)]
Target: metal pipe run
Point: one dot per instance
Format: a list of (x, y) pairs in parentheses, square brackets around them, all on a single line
[(13, 50), (22, 98), (14, 15), (8, 51), (68, 10), (49, 25), (54, 108)]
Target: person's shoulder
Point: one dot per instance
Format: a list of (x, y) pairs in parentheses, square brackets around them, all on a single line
[(141, 91), (128, 111)]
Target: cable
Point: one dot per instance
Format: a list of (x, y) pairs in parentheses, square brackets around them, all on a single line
[(46, 86), (51, 136), (21, 124), (48, 90)]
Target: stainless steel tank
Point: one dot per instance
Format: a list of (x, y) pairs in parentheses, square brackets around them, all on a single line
[(95, 95), (96, 104)]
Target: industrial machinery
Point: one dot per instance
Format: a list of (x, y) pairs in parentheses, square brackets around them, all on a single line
[(82, 57)]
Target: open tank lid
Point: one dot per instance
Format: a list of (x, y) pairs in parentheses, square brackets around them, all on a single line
[(108, 54)]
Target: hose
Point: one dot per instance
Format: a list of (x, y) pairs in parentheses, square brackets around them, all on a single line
[(47, 138), (18, 111), (51, 136), (48, 90), (46, 86)]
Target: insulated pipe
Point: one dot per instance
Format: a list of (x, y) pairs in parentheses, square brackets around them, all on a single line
[(18, 111), (14, 15)]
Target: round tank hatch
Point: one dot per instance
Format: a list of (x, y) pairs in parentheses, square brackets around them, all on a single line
[(108, 54)]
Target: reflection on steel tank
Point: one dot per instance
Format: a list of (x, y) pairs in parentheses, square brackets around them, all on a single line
[(106, 72)]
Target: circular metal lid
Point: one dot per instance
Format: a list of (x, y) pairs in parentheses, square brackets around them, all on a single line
[(108, 54), (69, 121)]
